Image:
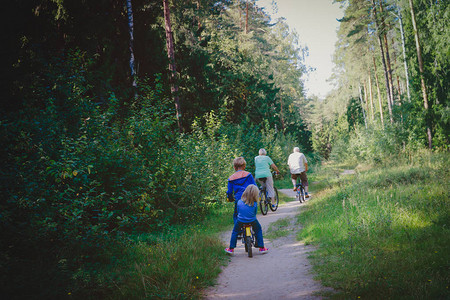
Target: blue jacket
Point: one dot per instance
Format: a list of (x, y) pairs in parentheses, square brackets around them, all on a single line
[(246, 214), (237, 183)]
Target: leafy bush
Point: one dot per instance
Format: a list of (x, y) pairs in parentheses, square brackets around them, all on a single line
[(374, 143)]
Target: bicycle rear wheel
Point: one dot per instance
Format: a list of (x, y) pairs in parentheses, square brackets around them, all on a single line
[(301, 194), (248, 245), (263, 202), (274, 204)]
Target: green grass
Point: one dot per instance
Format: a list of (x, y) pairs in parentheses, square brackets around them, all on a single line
[(383, 233), (174, 264), (284, 198), (283, 182), (277, 229)]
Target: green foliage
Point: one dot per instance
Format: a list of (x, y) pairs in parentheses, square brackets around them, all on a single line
[(354, 113), (87, 165), (359, 65), (384, 231), (77, 191), (373, 144)]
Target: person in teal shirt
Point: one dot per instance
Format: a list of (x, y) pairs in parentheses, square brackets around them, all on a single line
[(263, 163)]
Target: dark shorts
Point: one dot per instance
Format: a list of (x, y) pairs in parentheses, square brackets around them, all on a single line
[(302, 177)]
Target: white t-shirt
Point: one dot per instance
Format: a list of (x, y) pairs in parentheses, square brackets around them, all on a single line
[(296, 162)]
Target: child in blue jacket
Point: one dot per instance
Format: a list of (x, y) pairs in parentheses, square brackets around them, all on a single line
[(238, 182), (247, 208)]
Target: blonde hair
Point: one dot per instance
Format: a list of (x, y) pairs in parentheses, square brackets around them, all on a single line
[(239, 163), (250, 195)]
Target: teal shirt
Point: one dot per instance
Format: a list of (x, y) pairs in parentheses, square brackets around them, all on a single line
[(262, 165)]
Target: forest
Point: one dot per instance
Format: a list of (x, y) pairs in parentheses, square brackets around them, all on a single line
[(120, 120)]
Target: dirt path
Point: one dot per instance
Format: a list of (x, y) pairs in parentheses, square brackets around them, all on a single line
[(282, 273)]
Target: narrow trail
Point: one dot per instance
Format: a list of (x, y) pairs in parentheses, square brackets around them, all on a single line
[(283, 273)]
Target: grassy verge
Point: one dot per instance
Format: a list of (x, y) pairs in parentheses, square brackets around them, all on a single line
[(385, 232), (176, 264)]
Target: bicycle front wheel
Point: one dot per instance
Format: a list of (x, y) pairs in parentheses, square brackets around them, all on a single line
[(263, 202), (274, 204)]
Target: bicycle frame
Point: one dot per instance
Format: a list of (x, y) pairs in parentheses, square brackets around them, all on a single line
[(248, 230)]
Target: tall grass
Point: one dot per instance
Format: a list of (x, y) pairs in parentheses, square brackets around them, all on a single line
[(384, 232), (174, 264)]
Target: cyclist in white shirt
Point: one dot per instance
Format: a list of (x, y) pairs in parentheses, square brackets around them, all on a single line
[(298, 166)]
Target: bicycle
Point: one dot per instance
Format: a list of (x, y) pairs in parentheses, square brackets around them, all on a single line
[(264, 202), (248, 238), (300, 195)]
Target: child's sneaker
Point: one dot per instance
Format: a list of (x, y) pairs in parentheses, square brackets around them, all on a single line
[(306, 195), (263, 250), (229, 250)]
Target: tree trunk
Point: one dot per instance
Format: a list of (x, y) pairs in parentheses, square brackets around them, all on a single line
[(421, 71), (399, 91), (246, 18), (371, 97), (362, 106), (172, 65), (199, 22), (365, 99), (240, 17), (131, 47), (281, 113), (378, 91), (388, 60), (405, 63), (386, 76)]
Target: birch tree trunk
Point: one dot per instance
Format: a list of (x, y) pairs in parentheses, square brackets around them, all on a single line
[(378, 91), (421, 71), (371, 97), (383, 60), (131, 47), (172, 65)]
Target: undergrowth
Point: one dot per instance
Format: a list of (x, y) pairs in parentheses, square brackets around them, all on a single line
[(384, 232), (175, 264)]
